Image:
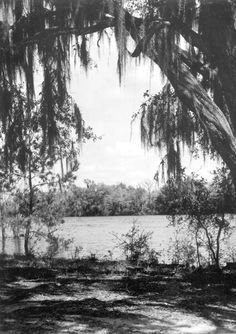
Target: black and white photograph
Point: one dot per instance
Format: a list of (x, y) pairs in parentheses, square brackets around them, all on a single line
[(118, 166)]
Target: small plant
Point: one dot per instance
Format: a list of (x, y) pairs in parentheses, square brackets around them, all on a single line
[(76, 253), (153, 257), (56, 245), (135, 244), (93, 257), (181, 251)]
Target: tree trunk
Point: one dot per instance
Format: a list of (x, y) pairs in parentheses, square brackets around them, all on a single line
[(3, 236), (197, 248), (213, 120), (192, 95), (28, 224), (26, 241), (218, 241), (187, 87), (211, 247)]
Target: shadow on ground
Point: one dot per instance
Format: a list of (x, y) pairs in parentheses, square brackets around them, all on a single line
[(106, 304)]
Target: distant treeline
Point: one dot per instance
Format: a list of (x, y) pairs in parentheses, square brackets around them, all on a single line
[(37, 215), (113, 200), (110, 200)]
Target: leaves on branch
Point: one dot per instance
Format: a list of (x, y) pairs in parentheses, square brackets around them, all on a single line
[(198, 34)]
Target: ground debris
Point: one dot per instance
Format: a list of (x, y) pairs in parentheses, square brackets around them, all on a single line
[(110, 303)]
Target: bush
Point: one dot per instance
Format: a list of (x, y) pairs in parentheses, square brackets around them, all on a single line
[(135, 245)]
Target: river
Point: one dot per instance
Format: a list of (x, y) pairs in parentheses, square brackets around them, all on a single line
[(99, 236)]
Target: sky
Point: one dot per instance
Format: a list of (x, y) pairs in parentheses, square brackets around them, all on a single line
[(108, 108)]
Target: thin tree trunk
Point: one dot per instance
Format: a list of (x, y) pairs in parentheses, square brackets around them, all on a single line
[(197, 248), (218, 242), (210, 247), (61, 178), (26, 240), (60, 183), (62, 167), (28, 224), (3, 229)]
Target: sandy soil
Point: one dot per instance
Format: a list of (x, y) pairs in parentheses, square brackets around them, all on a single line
[(105, 304)]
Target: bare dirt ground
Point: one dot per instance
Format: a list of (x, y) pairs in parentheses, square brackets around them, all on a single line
[(105, 303)]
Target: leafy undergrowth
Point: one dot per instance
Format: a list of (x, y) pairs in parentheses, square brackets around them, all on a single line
[(88, 296)]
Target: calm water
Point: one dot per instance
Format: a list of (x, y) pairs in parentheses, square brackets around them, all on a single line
[(97, 235)]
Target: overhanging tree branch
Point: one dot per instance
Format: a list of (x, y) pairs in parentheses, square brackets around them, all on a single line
[(53, 32), (221, 130), (193, 96)]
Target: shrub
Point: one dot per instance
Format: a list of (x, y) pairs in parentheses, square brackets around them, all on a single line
[(135, 244)]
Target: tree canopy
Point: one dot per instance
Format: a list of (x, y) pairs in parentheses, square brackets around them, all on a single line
[(193, 43)]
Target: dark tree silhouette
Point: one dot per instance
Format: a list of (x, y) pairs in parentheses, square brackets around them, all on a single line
[(202, 71)]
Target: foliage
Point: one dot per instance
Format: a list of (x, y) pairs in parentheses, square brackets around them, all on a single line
[(182, 251), (30, 163), (120, 199), (170, 127), (33, 23), (56, 245), (135, 244), (203, 208), (195, 53), (219, 195), (191, 41), (43, 222), (223, 192), (105, 200)]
